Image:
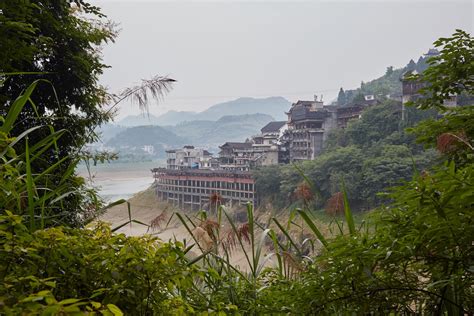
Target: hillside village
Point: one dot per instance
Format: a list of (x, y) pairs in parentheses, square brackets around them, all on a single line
[(195, 178)]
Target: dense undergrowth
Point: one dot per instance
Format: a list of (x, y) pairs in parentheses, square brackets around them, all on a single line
[(412, 256)]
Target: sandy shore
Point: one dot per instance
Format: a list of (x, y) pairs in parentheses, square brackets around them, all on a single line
[(145, 207)]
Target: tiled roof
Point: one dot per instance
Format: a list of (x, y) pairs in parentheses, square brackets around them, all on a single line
[(273, 127), (237, 145)]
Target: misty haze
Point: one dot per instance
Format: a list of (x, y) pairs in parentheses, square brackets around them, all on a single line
[(236, 157)]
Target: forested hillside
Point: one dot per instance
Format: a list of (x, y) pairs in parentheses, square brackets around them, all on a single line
[(370, 155), (387, 86)]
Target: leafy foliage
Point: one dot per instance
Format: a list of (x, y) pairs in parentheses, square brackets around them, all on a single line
[(57, 41), (371, 154), (450, 73), (140, 275)]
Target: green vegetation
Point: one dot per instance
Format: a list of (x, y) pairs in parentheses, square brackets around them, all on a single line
[(371, 154), (388, 85), (47, 40), (412, 256)]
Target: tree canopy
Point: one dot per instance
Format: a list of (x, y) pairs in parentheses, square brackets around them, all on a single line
[(58, 41)]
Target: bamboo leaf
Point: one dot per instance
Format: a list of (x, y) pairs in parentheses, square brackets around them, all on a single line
[(313, 227), (17, 107), (30, 184), (285, 232), (348, 211)]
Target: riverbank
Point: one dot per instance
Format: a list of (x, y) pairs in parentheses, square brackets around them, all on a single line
[(119, 180)]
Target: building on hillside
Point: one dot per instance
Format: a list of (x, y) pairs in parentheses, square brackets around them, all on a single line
[(268, 148), (235, 156), (149, 149), (369, 100), (411, 89), (432, 52), (188, 157), (204, 189), (347, 113), (308, 125)]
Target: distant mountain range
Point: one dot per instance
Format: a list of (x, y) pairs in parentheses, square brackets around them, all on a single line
[(207, 134), (210, 134), (273, 106), (135, 138)]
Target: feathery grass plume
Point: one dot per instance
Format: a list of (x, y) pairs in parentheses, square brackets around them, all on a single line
[(243, 232), (449, 142), (155, 223), (303, 192), (203, 239), (291, 265), (335, 204), (231, 237), (211, 227), (154, 88)]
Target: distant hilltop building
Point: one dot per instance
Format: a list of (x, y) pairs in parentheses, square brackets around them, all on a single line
[(411, 87), (432, 52)]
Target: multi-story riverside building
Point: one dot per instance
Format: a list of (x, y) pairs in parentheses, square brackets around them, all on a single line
[(308, 125), (236, 156), (188, 157), (201, 189), (268, 148)]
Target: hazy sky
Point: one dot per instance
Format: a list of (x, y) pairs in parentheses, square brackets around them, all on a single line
[(223, 50)]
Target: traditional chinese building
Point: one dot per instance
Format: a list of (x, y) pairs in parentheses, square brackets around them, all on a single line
[(268, 147), (347, 113)]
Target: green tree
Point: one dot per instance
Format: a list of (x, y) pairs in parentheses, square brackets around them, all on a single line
[(56, 45), (341, 97), (60, 41)]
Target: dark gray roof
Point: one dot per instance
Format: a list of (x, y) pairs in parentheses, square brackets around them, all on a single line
[(302, 102), (303, 113), (273, 127), (237, 145), (432, 52)]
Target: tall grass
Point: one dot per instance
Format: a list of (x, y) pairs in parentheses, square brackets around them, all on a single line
[(287, 253)]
